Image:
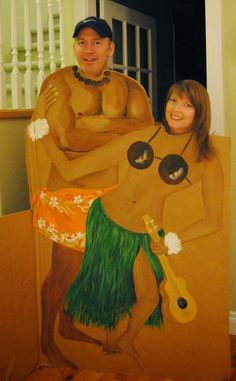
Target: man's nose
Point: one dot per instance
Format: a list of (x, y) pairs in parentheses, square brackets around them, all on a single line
[(89, 47)]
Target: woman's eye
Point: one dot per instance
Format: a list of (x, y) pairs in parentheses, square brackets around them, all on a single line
[(172, 100)]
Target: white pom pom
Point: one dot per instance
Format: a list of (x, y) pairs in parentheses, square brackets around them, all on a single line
[(173, 243), (38, 129)]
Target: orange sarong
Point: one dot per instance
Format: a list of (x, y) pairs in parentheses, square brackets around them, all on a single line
[(61, 215)]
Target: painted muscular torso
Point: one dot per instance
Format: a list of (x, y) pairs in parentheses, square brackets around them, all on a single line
[(85, 117)]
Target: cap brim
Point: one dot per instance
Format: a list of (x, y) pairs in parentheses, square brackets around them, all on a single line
[(92, 26)]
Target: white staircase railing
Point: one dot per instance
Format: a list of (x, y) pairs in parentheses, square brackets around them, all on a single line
[(2, 73), (40, 46), (15, 74), (52, 50), (28, 76), (33, 53), (61, 31)]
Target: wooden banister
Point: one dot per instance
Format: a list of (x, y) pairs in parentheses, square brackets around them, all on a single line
[(17, 113)]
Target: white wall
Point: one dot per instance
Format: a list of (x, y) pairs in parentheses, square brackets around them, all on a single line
[(14, 195), (229, 62), (214, 58)]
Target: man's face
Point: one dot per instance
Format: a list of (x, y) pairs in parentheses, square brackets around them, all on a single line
[(92, 52)]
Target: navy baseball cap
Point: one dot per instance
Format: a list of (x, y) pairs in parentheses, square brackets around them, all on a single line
[(99, 25)]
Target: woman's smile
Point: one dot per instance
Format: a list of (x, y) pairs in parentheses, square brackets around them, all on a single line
[(180, 114)]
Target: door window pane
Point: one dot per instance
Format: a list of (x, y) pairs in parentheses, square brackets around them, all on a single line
[(144, 81), (117, 38), (132, 74), (143, 48), (131, 47)]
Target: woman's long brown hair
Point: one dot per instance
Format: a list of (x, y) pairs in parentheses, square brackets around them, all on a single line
[(199, 98)]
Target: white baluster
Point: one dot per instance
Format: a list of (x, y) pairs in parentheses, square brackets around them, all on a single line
[(2, 73), (61, 21), (28, 76), (40, 47), (51, 37), (15, 74)]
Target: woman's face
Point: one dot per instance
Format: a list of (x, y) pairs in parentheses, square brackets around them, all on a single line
[(180, 113)]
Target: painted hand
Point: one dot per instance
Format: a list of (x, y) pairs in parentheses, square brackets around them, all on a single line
[(45, 100), (159, 248)]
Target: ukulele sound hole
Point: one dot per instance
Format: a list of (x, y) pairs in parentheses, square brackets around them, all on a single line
[(182, 303)]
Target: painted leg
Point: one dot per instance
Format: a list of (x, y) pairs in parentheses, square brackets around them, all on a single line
[(110, 346), (147, 299), (65, 266)]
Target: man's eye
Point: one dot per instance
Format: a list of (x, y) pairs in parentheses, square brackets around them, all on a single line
[(98, 42)]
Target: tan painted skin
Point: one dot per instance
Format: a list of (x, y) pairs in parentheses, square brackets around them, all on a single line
[(82, 117), (144, 192)]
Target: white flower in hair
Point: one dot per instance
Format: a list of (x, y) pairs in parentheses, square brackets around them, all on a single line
[(38, 129), (173, 243)]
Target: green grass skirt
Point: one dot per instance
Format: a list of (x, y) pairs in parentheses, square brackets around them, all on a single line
[(103, 292)]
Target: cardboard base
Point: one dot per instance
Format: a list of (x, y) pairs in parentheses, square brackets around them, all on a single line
[(19, 328), (62, 374), (196, 351)]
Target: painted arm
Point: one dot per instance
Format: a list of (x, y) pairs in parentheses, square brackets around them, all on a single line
[(125, 107), (110, 154), (52, 104), (212, 193)]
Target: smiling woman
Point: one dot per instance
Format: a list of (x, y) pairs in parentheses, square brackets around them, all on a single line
[(179, 114), (188, 108)]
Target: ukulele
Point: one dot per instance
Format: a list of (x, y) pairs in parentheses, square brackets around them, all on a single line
[(180, 304)]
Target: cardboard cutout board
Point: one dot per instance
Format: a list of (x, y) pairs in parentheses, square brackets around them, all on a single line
[(192, 351), (19, 334), (185, 351)]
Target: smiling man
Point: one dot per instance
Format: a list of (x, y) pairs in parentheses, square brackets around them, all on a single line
[(93, 46), (92, 97), (91, 105)]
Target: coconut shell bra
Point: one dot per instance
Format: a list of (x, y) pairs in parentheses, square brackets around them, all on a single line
[(173, 169)]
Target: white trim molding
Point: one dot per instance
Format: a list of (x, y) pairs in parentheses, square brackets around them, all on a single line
[(232, 323), (214, 59)]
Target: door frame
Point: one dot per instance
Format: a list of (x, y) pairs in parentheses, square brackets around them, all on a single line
[(109, 8)]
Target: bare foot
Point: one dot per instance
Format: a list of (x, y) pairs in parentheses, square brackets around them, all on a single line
[(127, 347), (68, 331), (111, 348)]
